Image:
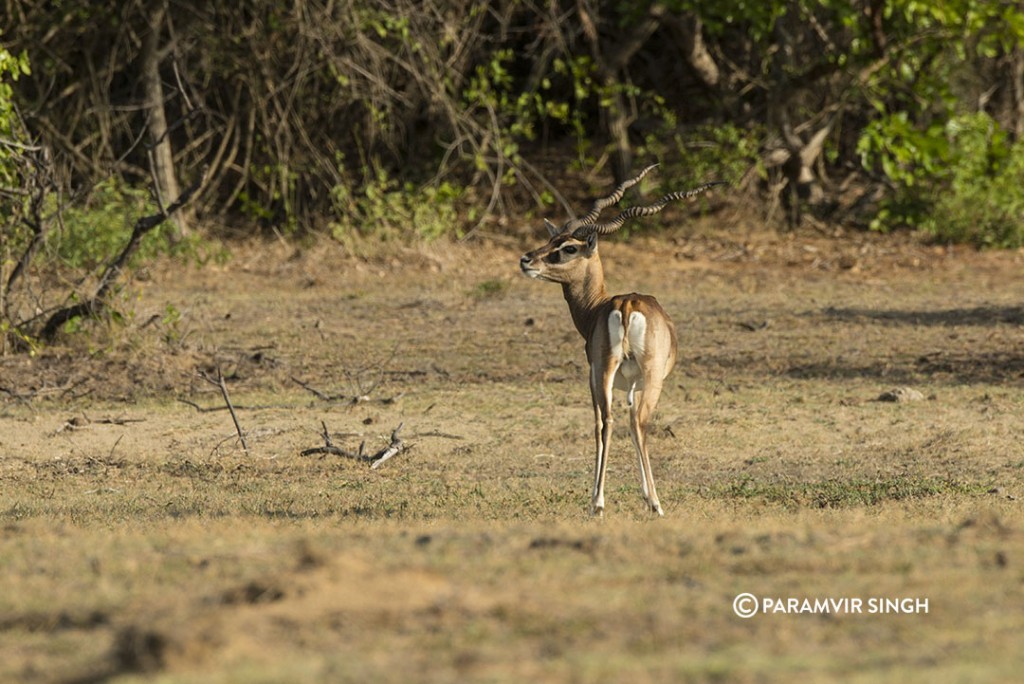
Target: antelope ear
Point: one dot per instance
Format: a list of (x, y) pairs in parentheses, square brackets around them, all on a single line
[(592, 242), (552, 228)]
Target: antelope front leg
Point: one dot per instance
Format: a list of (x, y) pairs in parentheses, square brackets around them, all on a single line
[(602, 427)]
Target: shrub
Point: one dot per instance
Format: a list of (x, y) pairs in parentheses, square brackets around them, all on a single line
[(387, 209), (962, 181), (100, 226), (984, 201)]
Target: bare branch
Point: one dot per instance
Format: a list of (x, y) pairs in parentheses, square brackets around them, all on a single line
[(317, 393), (219, 382), (329, 447), (396, 446), (97, 302)]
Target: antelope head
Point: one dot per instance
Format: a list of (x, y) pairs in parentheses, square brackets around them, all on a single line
[(564, 258)]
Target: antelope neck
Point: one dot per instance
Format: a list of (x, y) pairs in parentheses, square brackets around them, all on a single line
[(586, 296)]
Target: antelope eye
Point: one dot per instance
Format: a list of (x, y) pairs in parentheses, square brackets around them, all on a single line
[(570, 249)]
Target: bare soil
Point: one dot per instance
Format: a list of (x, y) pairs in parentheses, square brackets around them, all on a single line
[(140, 540)]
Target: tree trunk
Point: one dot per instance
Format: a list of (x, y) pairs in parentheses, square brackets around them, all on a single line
[(610, 63), (617, 124), (1017, 90), (689, 32), (161, 154)]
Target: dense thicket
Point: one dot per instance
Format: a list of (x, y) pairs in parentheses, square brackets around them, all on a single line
[(429, 116)]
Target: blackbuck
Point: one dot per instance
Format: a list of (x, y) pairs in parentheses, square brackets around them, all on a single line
[(630, 340)]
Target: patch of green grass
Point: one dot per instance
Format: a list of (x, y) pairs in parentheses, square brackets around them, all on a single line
[(835, 493), (490, 289)]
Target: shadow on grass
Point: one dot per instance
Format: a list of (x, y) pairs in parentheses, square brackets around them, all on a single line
[(1002, 362), (995, 368), (976, 316), (980, 367)]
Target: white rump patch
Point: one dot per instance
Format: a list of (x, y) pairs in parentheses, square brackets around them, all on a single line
[(629, 376), (637, 332)]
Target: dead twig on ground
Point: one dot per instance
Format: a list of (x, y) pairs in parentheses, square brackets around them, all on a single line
[(359, 398), (330, 448), (114, 448), (18, 396), (114, 421), (27, 397), (376, 372), (238, 407), (322, 396), (219, 382), (396, 446), (78, 423), (437, 433)]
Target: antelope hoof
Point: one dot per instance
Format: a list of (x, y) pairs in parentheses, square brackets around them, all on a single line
[(656, 508), (597, 511)]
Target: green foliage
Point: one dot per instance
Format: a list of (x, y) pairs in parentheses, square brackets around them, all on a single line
[(954, 172), (720, 152), (984, 201), (490, 289), (276, 203), (962, 181), (11, 68), (908, 155), (491, 89), (12, 162), (578, 75), (171, 325), (388, 210), (101, 226), (516, 115), (911, 158), (98, 229), (20, 338), (486, 94)]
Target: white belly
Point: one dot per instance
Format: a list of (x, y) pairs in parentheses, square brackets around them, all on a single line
[(629, 376)]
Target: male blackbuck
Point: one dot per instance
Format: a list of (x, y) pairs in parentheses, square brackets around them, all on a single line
[(630, 340)]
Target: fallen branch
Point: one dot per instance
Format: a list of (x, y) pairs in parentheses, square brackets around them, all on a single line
[(322, 396), (437, 433), (330, 448), (27, 397), (18, 396), (355, 399), (238, 407), (94, 305), (77, 423), (396, 446), (114, 421)]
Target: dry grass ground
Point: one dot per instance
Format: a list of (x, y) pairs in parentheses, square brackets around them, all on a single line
[(138, 541)]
